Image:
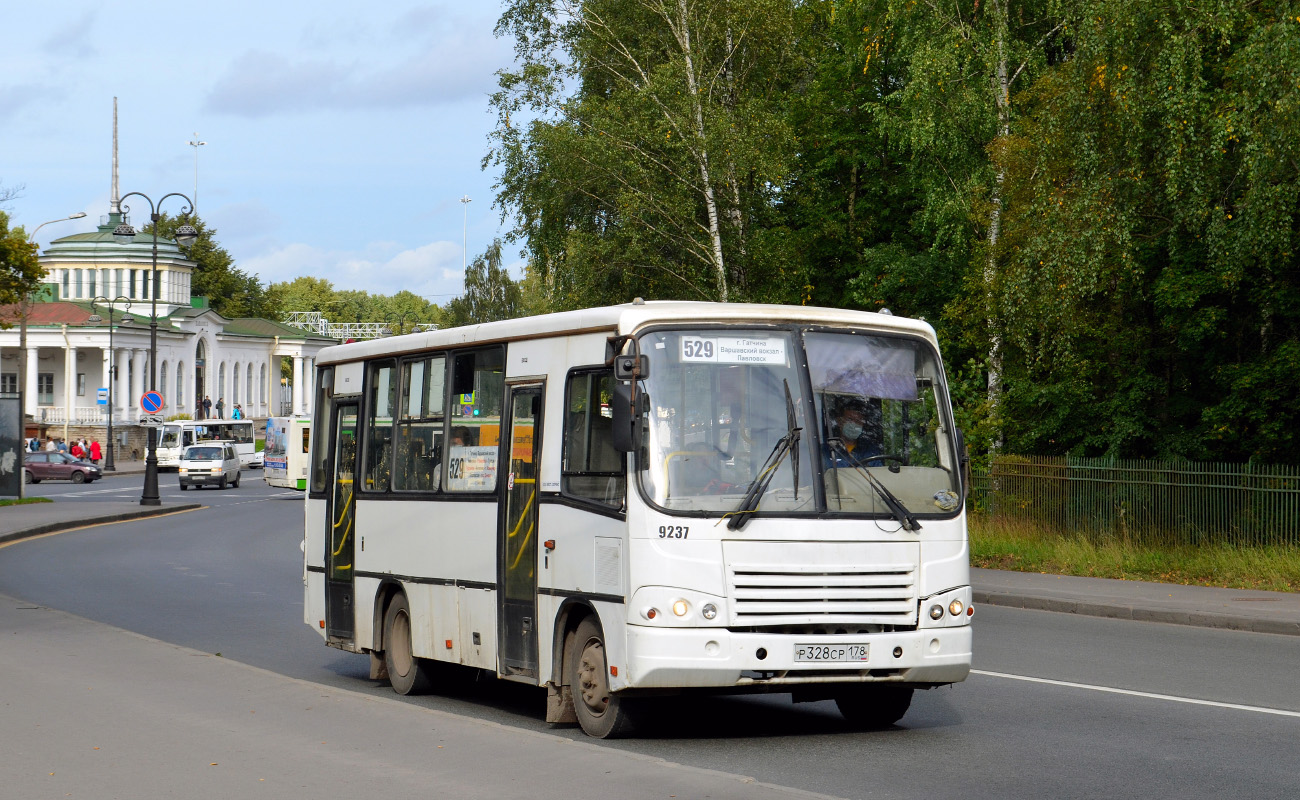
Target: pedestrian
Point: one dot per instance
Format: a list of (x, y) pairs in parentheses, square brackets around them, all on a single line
[(96, 452), (76, 451), (34, 445), (50, 445), (238, 413), (221, 408), (62, 446), (207, 406)]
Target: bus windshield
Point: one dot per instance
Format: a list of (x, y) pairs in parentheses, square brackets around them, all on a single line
[(718, 409)]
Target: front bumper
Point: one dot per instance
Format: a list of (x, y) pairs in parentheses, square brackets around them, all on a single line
[(206, 479), (717, 657)]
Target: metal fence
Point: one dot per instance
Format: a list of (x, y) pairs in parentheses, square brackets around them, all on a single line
[(1157, 502)]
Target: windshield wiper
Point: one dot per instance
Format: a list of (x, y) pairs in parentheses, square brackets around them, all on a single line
[(895, 505), (786, 445)]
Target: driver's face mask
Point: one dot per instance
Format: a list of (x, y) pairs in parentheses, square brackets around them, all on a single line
[(851, 430)]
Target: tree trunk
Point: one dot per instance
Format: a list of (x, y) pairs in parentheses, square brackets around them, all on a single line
[(700, 150), (1003, 103)]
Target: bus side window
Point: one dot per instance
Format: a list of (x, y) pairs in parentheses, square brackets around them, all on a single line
[(380, 407), (418, 436), (474, 413), (593, 467), (320, 477)]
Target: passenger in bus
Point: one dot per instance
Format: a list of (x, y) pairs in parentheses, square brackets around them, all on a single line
[(856, 424)]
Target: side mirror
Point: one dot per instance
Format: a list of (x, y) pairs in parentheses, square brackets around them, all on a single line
[(625, 420)]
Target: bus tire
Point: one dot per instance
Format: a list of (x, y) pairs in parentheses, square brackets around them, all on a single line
[(601, 713), (406, 673), (874, 707)]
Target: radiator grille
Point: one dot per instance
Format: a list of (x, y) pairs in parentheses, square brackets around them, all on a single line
[(883, 594)]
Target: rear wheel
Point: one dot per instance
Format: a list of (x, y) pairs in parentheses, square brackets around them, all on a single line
[(78, 477), (874, 706), (27, 477), (600, 712), (406, 673)]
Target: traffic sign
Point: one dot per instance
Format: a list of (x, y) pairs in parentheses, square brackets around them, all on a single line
[(102, 397), (151, 402)]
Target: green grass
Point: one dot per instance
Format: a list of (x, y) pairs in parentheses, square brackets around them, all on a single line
[(1023, 547), (14, 501)]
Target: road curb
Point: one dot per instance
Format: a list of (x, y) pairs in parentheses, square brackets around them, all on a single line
[(1129, 612), (85, 522)]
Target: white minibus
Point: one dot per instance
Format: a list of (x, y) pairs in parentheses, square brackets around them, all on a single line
[(653, 498)]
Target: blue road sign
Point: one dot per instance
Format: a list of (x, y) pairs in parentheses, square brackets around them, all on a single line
[(151, 402)]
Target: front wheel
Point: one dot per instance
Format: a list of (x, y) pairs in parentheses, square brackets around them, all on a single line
[(78, 477), (406, 673), (874, 706), (236, 483), (601, 713)]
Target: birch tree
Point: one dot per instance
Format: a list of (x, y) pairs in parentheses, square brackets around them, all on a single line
[(637, 139)]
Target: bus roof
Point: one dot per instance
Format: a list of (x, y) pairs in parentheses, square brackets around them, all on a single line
[(622, 319)]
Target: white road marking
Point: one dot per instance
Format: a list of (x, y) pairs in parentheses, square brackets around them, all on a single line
[(1131, 693)]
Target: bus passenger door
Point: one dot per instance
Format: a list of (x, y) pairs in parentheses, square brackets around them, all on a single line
[(517, 543), (340, 621)]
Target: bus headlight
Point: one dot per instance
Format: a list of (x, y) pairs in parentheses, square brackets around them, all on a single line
[(955, 608), (709, 611), (936, 611), (680, 608)]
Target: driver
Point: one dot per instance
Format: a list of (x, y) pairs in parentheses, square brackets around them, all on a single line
[(856, 423)]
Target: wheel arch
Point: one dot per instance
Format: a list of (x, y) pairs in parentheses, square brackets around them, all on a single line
[(572, 611), (388, 589)]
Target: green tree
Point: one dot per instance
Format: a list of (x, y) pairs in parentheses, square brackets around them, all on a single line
[(309, 294), (20, 271), (490, 293), (642, 145), (1151, 245)]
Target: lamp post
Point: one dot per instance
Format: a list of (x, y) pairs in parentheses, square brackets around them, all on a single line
[(109, 466), (24, 306), (464, 233), (196, 144), (185, 236)]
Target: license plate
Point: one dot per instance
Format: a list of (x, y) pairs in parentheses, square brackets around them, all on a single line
[(823, 653)]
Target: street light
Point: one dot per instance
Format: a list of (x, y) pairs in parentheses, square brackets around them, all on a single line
[(196, 144), (464, 233), (24, 306), (185, 236), (109, 466)]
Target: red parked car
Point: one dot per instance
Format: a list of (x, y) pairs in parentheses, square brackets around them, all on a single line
[(39, 467)]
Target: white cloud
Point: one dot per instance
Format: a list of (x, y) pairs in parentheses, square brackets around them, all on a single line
[(260, 83), (431, 270)]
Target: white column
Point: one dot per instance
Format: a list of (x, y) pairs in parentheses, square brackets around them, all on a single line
[(30, 399), (297, 385), (137, 374), (70, 382), (122, 392)]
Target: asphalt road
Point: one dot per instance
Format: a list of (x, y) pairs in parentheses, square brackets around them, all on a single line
[(1059, 706)]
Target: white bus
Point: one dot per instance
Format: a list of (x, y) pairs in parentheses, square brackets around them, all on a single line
[(180, 434), (288, 443), (650, 498)]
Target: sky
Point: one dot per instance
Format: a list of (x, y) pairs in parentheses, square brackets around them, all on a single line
[(340, 136)]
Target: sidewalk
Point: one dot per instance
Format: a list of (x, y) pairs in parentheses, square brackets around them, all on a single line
[(35, 519), (1202, 606), (1234, 609)]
